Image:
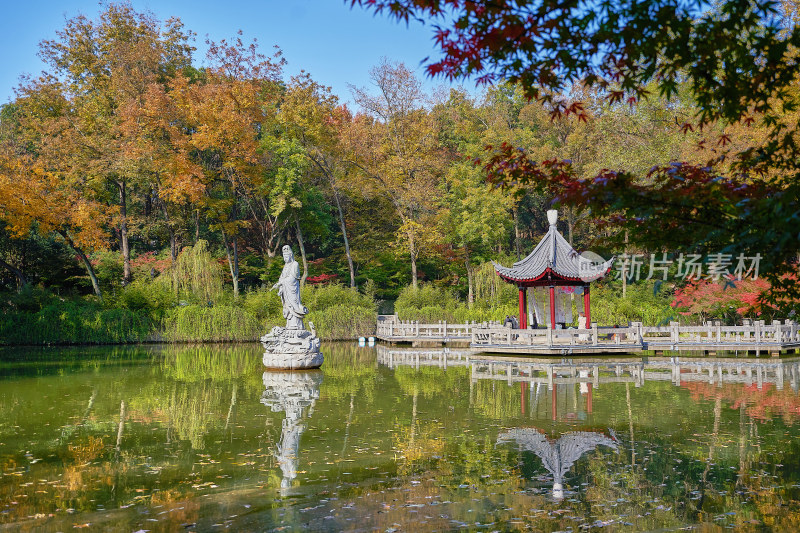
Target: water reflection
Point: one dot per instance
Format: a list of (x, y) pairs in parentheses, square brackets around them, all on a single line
[(415, 440), (294, 393), (597, 371), (558, 456)]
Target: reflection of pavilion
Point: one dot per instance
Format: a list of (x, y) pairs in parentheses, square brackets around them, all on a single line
[(597, 371), (557, 456), (290, 392), (561, 377)]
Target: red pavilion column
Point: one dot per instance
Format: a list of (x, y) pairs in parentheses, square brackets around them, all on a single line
[(552, 307), (523, 308), (587, 308)]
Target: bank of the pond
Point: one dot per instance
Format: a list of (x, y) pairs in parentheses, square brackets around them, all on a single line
[(338, 313)]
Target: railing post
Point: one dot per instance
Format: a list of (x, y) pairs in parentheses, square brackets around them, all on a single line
[(595, 339), (444, 329), (719, 332), (758, 332), (549, 336)]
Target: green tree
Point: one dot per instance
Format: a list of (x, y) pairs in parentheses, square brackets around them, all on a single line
[(394, 147), (737, 62)]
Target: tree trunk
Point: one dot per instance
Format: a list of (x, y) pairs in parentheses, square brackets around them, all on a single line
[(86, 263), (346, 242), (470, 279), (302, 250), (515, 214), (235, 243), (173, 242), (625, 269), (148, 202), (123, 232), (232, 254), (413, 251), (21, 279), (196, 226)]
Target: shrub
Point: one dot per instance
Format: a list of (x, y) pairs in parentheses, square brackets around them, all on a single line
[(196, 276), (644, 302), (342, 322), (425, 303), (195, 323), (29, 299), (108, 268), (263, 304), (74, 322), (321, 297), (463, 314), (154, 298)]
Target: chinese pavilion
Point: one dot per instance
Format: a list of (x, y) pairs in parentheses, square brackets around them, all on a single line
[(553, 263)]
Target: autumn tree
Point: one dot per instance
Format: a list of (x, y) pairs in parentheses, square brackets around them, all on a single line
[(311, 114), (475, 218), (35, 197), (102, 70), (394, 146), (227, 112), (738, 63)]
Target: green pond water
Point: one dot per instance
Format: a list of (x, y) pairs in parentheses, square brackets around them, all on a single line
[(165, 438)]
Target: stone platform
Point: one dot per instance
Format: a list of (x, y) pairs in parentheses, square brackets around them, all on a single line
[(291, 349)]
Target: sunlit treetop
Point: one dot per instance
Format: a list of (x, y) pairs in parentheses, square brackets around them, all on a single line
[(736, 55)]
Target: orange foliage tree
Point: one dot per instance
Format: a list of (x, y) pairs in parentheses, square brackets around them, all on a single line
[(79, 122)]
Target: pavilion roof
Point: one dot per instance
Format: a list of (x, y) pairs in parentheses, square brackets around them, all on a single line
[(555, 260)]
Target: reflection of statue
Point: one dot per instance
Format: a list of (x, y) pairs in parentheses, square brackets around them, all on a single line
[(292, 346), (289, 290), (291, 392), (557, 456)]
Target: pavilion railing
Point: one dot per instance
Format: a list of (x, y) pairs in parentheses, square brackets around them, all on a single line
[(493, 334), (757, 332), (595, 336), (413, 329)]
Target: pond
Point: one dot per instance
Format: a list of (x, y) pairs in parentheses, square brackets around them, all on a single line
[(200, 438)]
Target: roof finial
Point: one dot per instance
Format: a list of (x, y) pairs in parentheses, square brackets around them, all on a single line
[(552, 216)]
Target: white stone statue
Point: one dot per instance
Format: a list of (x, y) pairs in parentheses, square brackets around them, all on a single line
[(288, 286), (293, 346)]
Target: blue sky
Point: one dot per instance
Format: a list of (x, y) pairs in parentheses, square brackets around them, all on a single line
[(326, 38)]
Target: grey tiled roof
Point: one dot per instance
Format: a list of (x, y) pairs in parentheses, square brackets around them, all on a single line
[(554, 252)]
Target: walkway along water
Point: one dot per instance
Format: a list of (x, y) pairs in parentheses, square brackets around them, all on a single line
[(571, 371), (712, 337)]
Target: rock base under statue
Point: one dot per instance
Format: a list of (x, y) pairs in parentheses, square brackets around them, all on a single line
[(291, 349)]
